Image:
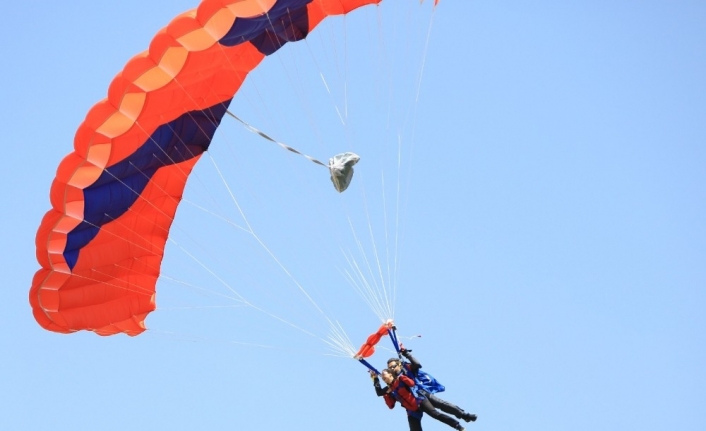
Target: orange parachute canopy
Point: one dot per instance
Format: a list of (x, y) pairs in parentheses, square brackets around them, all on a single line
[(114, 197)]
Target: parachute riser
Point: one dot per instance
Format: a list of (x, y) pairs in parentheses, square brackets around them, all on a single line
[(370, 367), (393, 337)]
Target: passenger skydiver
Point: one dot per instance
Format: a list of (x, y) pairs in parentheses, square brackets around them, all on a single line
[(426, 385), (401, 388)]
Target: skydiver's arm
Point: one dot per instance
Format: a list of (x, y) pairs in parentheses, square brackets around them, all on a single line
[(390, 401), (413, 362), (378, 390)]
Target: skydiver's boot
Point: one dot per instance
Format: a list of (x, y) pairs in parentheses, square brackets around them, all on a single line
[(459, 427), (469, 417)]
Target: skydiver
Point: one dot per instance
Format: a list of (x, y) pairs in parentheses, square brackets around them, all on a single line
[(411, 370), (400, 388)]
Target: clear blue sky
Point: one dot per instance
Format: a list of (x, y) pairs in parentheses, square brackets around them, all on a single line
[(551, 231)]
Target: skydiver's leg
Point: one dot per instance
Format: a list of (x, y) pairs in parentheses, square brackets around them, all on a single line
[(429, 409), (445, 406), (415, 424), (449, 408)]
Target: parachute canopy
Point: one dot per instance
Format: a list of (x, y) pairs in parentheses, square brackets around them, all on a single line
[(114, 197)]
